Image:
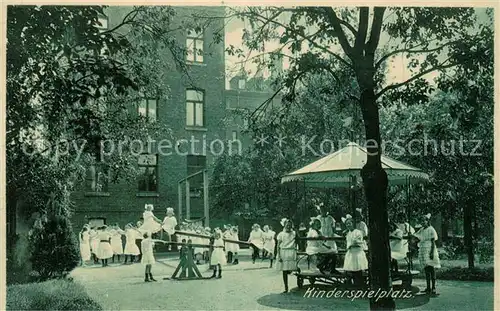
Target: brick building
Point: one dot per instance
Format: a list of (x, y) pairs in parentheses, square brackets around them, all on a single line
[(190, 113)]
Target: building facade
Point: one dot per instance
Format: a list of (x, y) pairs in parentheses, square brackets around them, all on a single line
[(193, 111)]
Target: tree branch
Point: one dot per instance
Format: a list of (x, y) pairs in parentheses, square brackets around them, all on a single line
[(409, 50), (348, 26), (359, 44), (334, 20), (130, 17), (313, 43), (415, 77), (266, 102), (378, 18)]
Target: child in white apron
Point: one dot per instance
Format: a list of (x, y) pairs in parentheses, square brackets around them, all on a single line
[(169, 224), (235, 247), (116, 242), (228, 246), (131, 248), (85, 253), (150, 222), (148, 258), (427, 252), (94, 244), (287, 251), (396, 243), (105, 251), (355, 258), (269, 243), (257, 240), (218, 257)]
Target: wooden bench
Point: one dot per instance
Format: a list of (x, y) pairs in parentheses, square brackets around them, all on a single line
[(341, 278), (345, 277), (302, 255)]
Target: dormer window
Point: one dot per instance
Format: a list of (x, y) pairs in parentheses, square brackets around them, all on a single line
[(241, 84)]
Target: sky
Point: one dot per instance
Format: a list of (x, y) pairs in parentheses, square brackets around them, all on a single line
[(234, 32), (397, 72)]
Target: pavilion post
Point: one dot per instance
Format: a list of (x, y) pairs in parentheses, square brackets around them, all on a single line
[(179, 199), (305, 196), (205, 198), (352, 190)]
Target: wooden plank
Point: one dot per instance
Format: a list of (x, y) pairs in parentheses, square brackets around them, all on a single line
[(335, 238), (179, 199), (208, 237)]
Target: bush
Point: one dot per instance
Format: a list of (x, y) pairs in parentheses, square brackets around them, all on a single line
[(466, 274), (54, 250), (454, 249), (51, 295), (486, 250)]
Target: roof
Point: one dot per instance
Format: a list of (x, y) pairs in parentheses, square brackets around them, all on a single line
[(337, 169)]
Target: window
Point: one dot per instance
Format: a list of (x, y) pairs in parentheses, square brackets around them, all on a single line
[(102, 24), (97, 178), (196, 163), (147, 109), (235, 135), (241, 84), (97, 222), (194, 108), (148, 172), (194, 46)]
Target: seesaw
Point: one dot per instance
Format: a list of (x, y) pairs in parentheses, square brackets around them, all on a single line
[(187, 269)]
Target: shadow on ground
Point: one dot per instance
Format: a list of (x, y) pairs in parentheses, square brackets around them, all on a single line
[(321, 297)]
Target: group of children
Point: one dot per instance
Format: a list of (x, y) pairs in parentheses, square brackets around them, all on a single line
[(262, 240), (355, 260), (105, 243)]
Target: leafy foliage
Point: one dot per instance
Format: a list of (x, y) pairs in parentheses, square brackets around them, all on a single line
[(486, 250), (466, 274), (54, 248)]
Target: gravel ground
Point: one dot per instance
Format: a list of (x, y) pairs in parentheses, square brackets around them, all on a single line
[(249, 287)]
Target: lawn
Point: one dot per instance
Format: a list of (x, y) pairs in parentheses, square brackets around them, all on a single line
[(50, 295)]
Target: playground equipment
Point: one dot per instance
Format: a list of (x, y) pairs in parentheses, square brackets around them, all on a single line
[(187, 269), (206, 216)]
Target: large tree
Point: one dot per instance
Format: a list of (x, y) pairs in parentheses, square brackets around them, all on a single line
[(361, 41)]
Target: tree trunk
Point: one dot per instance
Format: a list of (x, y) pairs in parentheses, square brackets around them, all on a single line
[(468, 241), (375, 185), (445, 227)]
